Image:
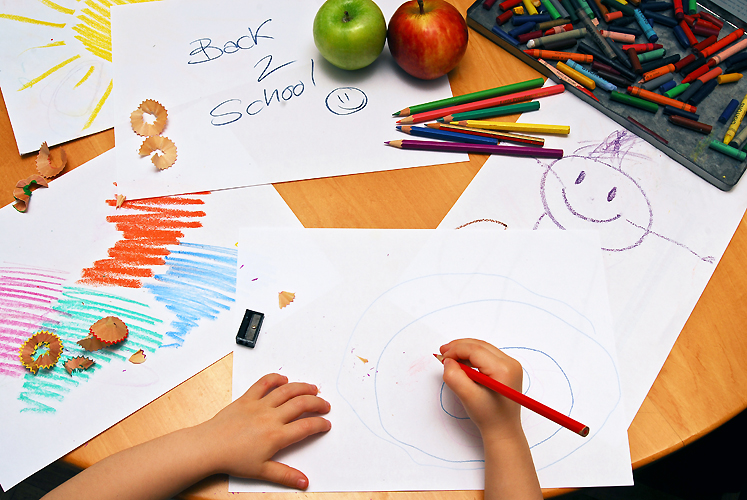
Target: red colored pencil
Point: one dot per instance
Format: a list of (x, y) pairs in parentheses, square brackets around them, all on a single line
[(483, 149), (525, 401), (526, 95)]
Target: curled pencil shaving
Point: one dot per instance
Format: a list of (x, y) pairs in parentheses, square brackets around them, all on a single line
[(153, 108), (162, 144), (138, 357), (78, 363), (46, 360), (24, 188), (44, 163), (90, 343), (120, 200), (285, 298), (109, 330)]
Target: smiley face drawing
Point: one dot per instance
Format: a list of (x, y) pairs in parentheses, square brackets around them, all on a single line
[(346, 100), (590, 190)]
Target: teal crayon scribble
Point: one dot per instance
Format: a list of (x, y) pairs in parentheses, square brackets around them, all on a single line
[(76, 310)]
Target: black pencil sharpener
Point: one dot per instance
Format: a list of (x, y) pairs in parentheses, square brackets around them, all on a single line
[(249, 329)]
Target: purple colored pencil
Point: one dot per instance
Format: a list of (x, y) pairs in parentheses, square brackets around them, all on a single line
[(455, 147)]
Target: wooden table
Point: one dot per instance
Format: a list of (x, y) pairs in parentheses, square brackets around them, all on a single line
[(702, 384)]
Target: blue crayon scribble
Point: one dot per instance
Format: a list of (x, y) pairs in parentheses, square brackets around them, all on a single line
[(199, 283)]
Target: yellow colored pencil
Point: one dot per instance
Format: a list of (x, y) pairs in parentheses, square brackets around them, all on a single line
[(536, 128), (575, 75)]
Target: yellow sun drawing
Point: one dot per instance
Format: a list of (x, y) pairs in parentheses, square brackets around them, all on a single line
[(81, 25)]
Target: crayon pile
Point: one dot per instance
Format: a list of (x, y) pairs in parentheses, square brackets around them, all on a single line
[(460, 124), (638, 57)]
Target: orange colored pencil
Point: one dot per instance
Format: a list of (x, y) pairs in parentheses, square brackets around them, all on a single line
[(660, 99), (525, 401), (526, 95), (494, 134), (555, 55)]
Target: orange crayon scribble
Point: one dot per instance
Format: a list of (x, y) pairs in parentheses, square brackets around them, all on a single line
[(147, 227)]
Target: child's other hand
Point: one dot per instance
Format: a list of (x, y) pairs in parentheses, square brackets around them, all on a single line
[(243, 437), (496, 416)]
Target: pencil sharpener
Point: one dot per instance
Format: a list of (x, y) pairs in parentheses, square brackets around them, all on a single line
[(249, 329)]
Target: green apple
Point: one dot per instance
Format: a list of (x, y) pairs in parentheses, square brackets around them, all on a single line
[(350, 33)]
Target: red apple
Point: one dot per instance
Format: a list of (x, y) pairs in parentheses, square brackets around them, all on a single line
[(427, 38)]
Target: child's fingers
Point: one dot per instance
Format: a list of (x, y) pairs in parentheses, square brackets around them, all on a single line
[(302, 428), (282, 474), (305, 403), (492, 362), (458, 381), (265, 385), (289, 391)]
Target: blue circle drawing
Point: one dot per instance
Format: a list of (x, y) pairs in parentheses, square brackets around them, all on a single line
[(346, 100)]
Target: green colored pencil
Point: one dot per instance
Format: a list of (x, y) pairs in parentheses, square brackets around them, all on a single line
[(474, 96), (479, 114)]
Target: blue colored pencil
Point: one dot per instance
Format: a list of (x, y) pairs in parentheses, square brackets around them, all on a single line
[(446, 135)]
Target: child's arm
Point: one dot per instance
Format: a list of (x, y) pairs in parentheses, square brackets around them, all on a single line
[(240, 440), (509, 470)]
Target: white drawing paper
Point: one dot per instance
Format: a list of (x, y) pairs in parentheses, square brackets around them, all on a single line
[(251, 100), (370, 309), (165, 266), (56, 70), (662, 228)]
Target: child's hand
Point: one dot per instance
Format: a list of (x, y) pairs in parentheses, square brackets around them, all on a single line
[(242, 439), (495, 415)]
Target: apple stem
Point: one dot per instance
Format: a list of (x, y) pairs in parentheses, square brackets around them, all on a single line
[(420, 4), (346, 17)]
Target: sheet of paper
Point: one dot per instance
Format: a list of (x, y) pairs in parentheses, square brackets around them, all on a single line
[(56, 73), (165, 266), (662, 228), (370, 309), (251, 100)]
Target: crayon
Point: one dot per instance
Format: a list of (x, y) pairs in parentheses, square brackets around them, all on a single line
[(667, 21), (576, 76), (728, 52), (729, 78), (649, 106), (659, 99), (571, 11), (542, 42), (679, 12), (692, 6), (554, 23), (520, 29), (531, 19), (519, 11), (651, 35), (704, 92), (710, 75), (669, 68), (685, 28), (611, 16), (690, 77), (601, 82), (554, 14), (651, 55), (592, 30), (656, 6), (597, 65), (682, 39), (736, 121), (617, 36), (739, 139), (505, 36), (489, 149), (585, 7), (695, 64), (479, 114), (509, 4), (681, 121), (567, 79), (664, 87), (494, 134), (621, 57), (736, 67), (707, 16), (524, 38), (614, 78), (669, 110), (647, 130), (555, 55), (625, 29), (503, 18), (529, 7), (658, 63), (598, 56), (445, 135), (691, 90), (643, 47), (728, 111), (728, 150), (558, 29), (700, 30), (561, 10), (624, 8), (690, 58), (676, 91), (658, 81), (705, 24), (536, 128), (723, 42), (704, 43)]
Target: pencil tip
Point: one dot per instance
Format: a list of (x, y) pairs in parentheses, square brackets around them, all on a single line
[(405, 120), (399, 127), (396, 113)]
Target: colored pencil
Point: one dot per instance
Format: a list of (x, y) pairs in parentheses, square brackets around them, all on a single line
[(485, 149), (479, 114), (526, 95), (567, 79), (555, 55), (445, 135), (522, 399), (536, 128), (496, 134), (471, 97)]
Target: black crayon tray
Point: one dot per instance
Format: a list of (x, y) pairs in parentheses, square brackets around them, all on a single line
[(687, 147)]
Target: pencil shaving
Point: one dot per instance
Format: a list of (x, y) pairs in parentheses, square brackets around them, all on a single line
[(78, 363), (109, 330), (24, 188), (90, 343), (285, 298), (153, 108), (44, 162), (120, 200), (163, 144), (138, 357), (33, 344)]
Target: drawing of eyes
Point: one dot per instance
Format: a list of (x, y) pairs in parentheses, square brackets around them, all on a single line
[(611, 194), (581, 177)]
